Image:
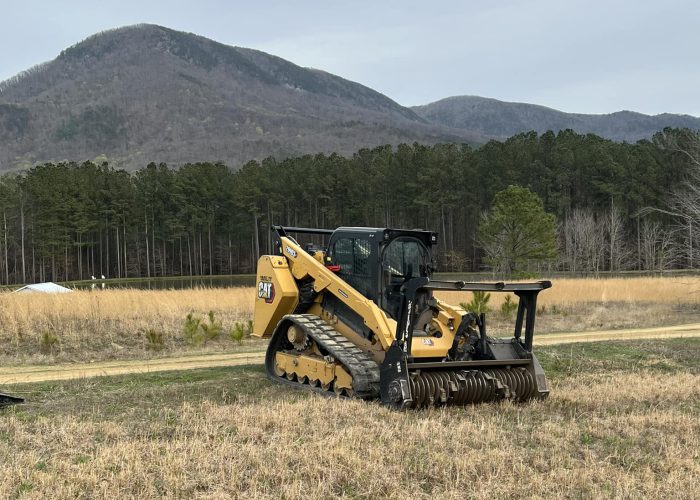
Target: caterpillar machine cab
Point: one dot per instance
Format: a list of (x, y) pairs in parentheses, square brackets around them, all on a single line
[(359, 318)]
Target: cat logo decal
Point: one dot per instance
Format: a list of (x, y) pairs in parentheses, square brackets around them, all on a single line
[(266, 290)]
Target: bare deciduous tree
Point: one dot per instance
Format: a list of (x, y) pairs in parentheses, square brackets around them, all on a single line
[(615, 234), (584, 242), (657, 247), (685, 203), (455, 261)]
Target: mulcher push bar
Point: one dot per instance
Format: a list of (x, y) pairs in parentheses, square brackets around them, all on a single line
[(487, 287)]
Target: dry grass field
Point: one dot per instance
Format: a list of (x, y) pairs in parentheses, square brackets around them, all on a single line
[(623, 420), (588, 304), (114, 324), (573, 291), (132, 324)]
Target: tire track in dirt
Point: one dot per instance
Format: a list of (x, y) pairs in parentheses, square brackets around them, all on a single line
[(43, 373)]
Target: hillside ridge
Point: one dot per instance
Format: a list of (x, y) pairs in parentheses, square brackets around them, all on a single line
[(502, 119), (146, 93)]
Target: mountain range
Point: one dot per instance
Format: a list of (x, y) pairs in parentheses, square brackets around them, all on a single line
[(148, 93), (499, 120)]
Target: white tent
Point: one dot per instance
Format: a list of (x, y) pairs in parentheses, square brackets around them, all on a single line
[(44, 288)]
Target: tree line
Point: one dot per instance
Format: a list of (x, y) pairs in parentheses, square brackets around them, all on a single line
[(611, 203)]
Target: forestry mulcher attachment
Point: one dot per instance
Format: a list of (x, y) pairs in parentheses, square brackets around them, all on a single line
[(358, 318)]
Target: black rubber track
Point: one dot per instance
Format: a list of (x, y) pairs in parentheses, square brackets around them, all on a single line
[(362, 368)]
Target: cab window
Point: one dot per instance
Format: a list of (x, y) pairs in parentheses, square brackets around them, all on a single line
[(405, 258), (353, 256)]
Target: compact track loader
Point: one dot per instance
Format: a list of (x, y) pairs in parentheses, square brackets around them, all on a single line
[(358, 318)]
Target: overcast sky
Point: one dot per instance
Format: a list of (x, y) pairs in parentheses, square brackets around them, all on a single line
[(577, 56)]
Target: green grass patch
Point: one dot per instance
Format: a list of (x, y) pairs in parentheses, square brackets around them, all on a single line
[(668, 355), (127, 396)]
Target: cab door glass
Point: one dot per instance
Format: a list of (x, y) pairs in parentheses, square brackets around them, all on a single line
[(404, 259), (353, 257)]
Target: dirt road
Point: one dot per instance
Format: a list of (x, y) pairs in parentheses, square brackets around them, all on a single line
[(42, 373), (28, 374), (664, 332)]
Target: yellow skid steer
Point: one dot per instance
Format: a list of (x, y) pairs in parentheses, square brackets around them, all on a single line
[(357, 317)]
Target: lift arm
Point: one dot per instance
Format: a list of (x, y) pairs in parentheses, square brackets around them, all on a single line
[(303, 265)]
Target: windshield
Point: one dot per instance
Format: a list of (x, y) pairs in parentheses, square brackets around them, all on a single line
[(405, 258)]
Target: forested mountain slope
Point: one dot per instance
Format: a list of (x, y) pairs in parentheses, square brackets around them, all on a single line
[(147, 93), (499, 120)]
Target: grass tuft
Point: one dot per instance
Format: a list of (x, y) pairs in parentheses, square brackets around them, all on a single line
[(49, 342), (155, 339), (191, 330), (240, 331)]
